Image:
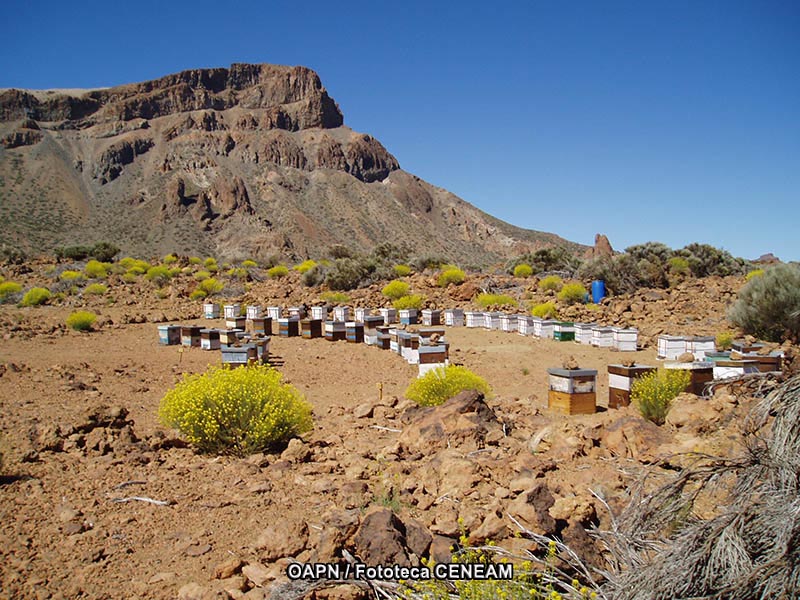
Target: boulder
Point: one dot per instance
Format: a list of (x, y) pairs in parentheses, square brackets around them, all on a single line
[(461, 422)]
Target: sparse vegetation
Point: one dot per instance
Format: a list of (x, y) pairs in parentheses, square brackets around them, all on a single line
[(754, 273), (35, 296), (159, 275), (70, 276), (211, 286), (451, 276), (8, 288), (249, 264), (236, 411), (486, 300), (335, 297), (551, 283), (81, 320), (95, 289), (415, 301), (394, 290), (441, 384), (304, 266), (402, 270), (768, 306), (197, 294), (546, 310), (101, 251), (654, 392), (96, 270), (277, 272), (724, 340), (195, 260), (523, 270), (572, 293), (201, 275), (678, 265), (169, 259)]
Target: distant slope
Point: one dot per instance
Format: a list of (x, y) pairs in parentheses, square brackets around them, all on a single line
[(246, 161)]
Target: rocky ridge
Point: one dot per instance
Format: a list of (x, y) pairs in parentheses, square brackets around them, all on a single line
[(250, 160)]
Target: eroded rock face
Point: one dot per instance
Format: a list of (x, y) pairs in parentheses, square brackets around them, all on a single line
[(111, 162), (369, 160)]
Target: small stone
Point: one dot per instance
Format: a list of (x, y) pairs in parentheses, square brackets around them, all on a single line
[(228, 568), (363, 411), (198, 549), (686, 357), (163, 576), (257, 573)]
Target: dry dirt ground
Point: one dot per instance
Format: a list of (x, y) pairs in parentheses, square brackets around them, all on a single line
[(80, 429)]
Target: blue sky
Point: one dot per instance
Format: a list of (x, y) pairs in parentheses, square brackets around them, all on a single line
[(672, 121)]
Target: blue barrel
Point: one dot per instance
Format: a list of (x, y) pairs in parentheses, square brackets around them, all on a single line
[(598, 290)]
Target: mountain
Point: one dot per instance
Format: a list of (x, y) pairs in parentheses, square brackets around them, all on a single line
[(251, 160)]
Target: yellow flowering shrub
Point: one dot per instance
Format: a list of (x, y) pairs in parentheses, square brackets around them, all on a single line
[(452, 275), (654, 392), (485, 300), (95, 289), (277, 272), (402, 270), (394, 290), (236, 411), (81, 320), (443, 383), (572, 293), (408, 302), (306, 265), (551, 283), (546, 310)]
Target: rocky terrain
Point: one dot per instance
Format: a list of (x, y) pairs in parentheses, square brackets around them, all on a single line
[(377, 477), (247, 161)]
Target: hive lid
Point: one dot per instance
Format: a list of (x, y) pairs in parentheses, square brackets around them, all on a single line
[(559, 372)]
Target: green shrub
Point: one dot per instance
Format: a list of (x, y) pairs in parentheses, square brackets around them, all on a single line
[(35, 296), (489, 300), (96, 270), (197, 294), (654, 392), (129, 277), (314, 276), (452, 275), (9, 287), (334, 297), (201, 275), (212, 268), (546, 310), (210, 262), (347, 274), (169, 259), (523, 270), (339, 251), (724, 340), (705, 260), (551, 283), (238, 273), (236, 411), (70, 276), (159, 275), (211, 286), (277, 272), (754, 273), (394, 290), (95, 289), (572, 293), (103, 252), (305, 266), (768, 306), (408, 302), (175, 271), (81, 320), (249, 264), (402, 270), (678, 265), (442, 383), (195, 260), (421, 263), (72, 252)]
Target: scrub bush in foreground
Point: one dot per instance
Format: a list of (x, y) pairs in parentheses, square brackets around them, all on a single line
[(441, 384), (236, 411)]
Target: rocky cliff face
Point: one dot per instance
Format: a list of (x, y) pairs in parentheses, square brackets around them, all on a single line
[(244, 160)]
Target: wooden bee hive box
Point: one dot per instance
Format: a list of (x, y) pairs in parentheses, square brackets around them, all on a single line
[(232, 311), (454, 317), (572, 392), (209, 339), (169, 335), (211, 310), (620, 378)]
